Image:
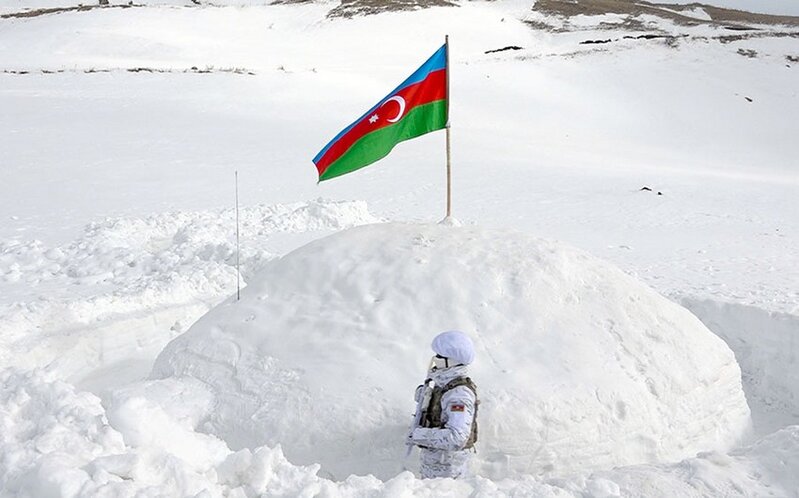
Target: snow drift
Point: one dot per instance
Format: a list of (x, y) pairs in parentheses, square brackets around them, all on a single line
[(766, 348), (579, 365), (140, 443)]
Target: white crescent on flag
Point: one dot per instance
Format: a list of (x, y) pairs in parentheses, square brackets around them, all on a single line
[(399, 100)]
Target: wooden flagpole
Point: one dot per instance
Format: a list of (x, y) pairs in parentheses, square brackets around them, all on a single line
[(449, 163)]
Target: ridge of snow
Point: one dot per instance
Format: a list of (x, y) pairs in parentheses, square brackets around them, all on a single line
[(140, 281)]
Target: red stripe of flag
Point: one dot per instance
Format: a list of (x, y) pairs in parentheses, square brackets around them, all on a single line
[(432, 88)]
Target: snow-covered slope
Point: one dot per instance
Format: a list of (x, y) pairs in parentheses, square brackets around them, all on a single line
[(556, 138), (776, 7), (579, 365), (120, 130)]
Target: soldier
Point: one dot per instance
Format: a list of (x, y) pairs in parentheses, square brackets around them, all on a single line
[(447, 428)]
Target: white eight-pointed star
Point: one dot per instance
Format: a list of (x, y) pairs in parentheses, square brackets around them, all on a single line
[(373, 118)]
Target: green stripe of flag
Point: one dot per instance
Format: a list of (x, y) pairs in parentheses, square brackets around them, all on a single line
[(376, 145)]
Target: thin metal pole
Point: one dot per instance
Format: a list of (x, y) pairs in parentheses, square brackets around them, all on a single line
[(238, 271), (449, 163)]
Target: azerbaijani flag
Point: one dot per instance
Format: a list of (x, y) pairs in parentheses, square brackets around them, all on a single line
[(416, 107)]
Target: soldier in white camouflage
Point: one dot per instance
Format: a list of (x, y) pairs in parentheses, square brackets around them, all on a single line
[(447, 431)]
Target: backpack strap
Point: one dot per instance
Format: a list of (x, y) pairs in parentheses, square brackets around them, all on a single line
[(468, 383), (461, 381)]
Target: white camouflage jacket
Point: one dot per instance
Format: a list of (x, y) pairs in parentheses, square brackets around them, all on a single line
[(443, 453)]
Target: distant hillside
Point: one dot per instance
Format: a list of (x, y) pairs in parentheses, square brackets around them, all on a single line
[(690, 13)]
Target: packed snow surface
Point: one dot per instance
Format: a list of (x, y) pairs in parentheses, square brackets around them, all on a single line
[(579, 365), (120, 131)]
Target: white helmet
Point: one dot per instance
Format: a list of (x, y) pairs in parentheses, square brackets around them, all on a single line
[(455, 346)]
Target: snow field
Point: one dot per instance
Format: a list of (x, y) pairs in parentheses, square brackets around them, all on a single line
[(568, 149), (566, 131), (188, 402)]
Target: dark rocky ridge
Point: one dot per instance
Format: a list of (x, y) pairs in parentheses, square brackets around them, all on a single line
[(679, 13)]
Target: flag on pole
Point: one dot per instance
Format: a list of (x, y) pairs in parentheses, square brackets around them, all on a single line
[(417, 106)]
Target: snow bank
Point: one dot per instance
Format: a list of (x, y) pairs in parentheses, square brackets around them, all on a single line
[(766, 468), (99, 308), (766, 347), (48, 433), (579, 365), (56, 442), (129, 253)]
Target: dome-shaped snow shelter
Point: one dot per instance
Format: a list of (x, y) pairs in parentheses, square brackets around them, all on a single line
[(578, 365)]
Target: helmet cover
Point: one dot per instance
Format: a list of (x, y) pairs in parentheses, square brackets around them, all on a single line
[(454, 345)]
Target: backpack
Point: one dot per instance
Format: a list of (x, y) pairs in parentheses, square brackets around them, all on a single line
[(432, 417)]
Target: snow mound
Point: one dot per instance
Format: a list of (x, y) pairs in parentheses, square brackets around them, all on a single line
[(39, 417), (579, 366)]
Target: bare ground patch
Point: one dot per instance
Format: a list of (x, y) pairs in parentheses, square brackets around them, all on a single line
[(741, 25), (151, 70), (758, 34), (352, 8), (59, 10), (681, 14)]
